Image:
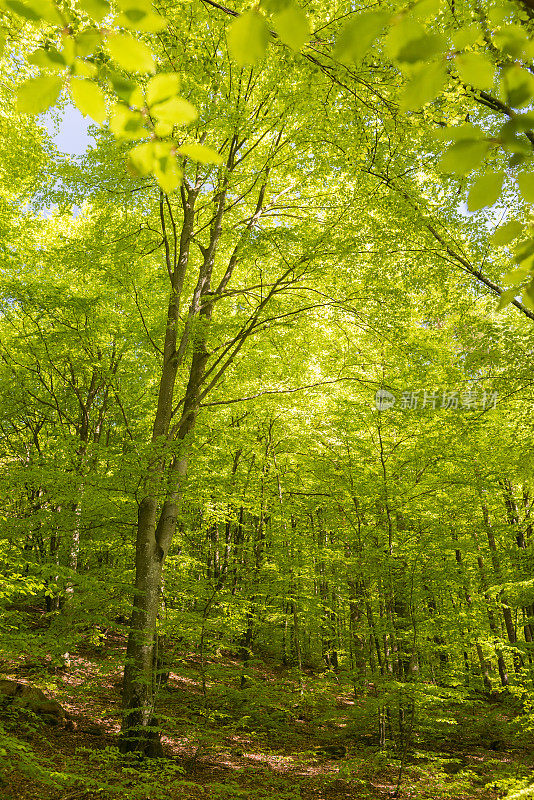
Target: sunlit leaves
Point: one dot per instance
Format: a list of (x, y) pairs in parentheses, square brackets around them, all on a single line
[(162, 87), (127, 89), (50, 59), (200, 152), (408, 42), (88, 42), (275, 6), (518, 86), (516, 275), (23, 10), (466, 36), (506, 297), (425, 9), (157, 158), (526, 185), (140, 15), (463, 156), (292, 27), (35, 10), (129, 117), (96, 9), (167, 173), (131, 54), (248, 37), (359, 34), (424, 86), (38, 94), (507, 233), (127, 124), (421, 48), (175, 111), (511, 39), (89, 99), (528, 296), (476, 70), (524, 252), (142, 158), (485, 191), (84, 69)]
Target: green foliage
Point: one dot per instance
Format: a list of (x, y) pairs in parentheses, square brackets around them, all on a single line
[(213, 349), (485, 191), (89, 99), (292, 26), (38, 94), (248, 37), (131, 54)]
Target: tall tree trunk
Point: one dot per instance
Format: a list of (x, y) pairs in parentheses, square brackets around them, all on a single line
[(485, 664)]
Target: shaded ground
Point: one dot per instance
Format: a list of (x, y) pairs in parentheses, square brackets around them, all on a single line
[(260, 742)]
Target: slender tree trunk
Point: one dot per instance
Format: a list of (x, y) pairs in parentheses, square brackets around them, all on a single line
[(485, 665), (496, 563)]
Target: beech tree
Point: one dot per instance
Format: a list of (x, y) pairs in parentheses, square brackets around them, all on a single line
[(287, 228)]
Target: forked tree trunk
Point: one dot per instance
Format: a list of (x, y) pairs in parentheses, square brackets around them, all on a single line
[(165, 477)]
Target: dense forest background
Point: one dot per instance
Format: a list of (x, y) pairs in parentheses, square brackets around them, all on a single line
[(266, 476)]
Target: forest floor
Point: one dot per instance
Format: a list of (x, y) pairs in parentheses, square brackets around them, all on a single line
[(261, 742)]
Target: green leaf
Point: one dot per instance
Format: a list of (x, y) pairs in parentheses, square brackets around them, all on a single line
[(48, 59), (506, 297), (23, 10), (292, 27), (518, 86), (421, 49), (274, 6), (96, 9), (516, 159), (459, 133), (88, 42), (497, 14), (147, 22), (511, 39), (163, 129), (248, 37), (485, 191), (142, 158), (463, 156), (125, 88), (425, 9), (131, 54), (507, 233), (526, 185), (38, 94), (35, 10), (524, 251), (199, 152), (424, 86), (466, 36), (127, 124), (175, 111), (89, 99), (84, 69), (69, 49), (141, 6), (476, 70), (46, 11), (166, 169), (162, 87), (528, 296), (359, 34), (516, 275)]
